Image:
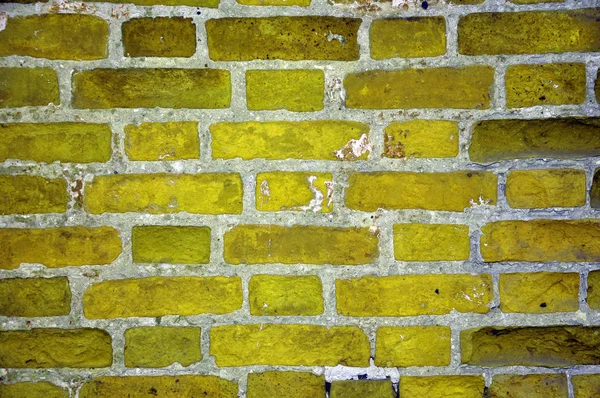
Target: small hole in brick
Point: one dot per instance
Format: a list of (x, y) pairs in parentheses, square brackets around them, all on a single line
[(543, 305), (437, 291), (424, 5)]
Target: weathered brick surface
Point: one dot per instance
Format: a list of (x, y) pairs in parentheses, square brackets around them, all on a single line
[(539, 292), (191, 3), (160, 346), (439, 386), (431, 242), (531, 189), (286, 295), (159, 37), (285, 384), (595, 190), (362, 388), (586, 386), (37, 389), (412, 346), (408, 37), (28, 87), (162, 141), (283, 191), (535, 386), (593, 292), (301, 90), (170, 244), (23, 194), (421, 139), (33, 297), (299, 3)]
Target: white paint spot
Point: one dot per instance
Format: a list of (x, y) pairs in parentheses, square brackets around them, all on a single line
[(373, 372), (329, 187), (316, 202), (335, 36), (264, 189), (3, 20), (481, 202), (354, 149)]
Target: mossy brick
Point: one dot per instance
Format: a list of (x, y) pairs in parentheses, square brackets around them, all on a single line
[(411, 295), (421, 139), (147, 3), (288, 345), (55, 36), (530, 32), (165, 193), (35, 297), (283, 295), (466, 87), (50, 142), (289, 3), (530, 386), (431, 242), (408, 37), (539, 292), (59, 247), (151, 88), (273, 384), (362, 388), (586, 385), (534, 189), (595, 190), (167, 141), (297, 90), (299, 244), (547, 346), (33, 390), (55, 348), (160, 386), (447, 191), (412, 346), (28, 87), (277, 140), (160, 346), (27, 194), (159, 296), (442, 386), (541, 241), (287, 38), (294, 191), (561, 138), (545, 84), (593, 291), (159, 37), (170, 244)]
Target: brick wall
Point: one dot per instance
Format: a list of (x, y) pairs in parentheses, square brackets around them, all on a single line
[(351, 199)]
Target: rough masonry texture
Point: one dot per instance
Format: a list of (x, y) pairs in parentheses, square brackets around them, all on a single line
[(300, 198)]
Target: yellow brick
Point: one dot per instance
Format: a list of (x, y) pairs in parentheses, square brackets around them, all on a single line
[(286, 295), (40, 389), (593, 292), (549, 84), (535, 1), (431, 242), (24, 194), (495, 140), (408, 37), (412, 346), (541, 240), (319, 140), (442, 386), (299, 3), (49, 142), (160, 386), (33, 297), (160, 346), (55, 36), (466, 87), (58, 247), (531, 189), (454, 191), (55, 348), (28, 87), (549, 346), (288, 191), (165, 193), (268, 244), (362, 388), (539, 292), (191, 3), (298, 90), (159, 37), (285, 385), (410, 295), (530, 32), (309, 345), (421, 139), (288, 38), (171, 244), (530, 386), (586, 386), (159, 296), (162, 141), (145, 88), (595, 191)]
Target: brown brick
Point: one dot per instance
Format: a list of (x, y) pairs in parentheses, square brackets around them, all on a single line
[(28, 87), (159, 37), (539, 292), (25, 194), (408, 37), (285, 385), (530, 386), (33, 297)]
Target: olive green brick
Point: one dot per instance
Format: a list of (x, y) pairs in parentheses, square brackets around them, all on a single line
[(421, 139), (431, 242), (593, 291), (531, 189), (34, 297), (279, 295), (408, 37), (294, 191), (298, 90), (159, 296), (171, 244), (289, 345), (168, 141), (586, 386), (28, 87), (41, 389), (25, 194), (530, 386), (55, 348), (151, 88), (531, 32), (159, 37), (362, 388), (539, 292), (275, 384), (160, 346), (55, 36), (412, 346), (286, 38), (595, 191), (442, 386)]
